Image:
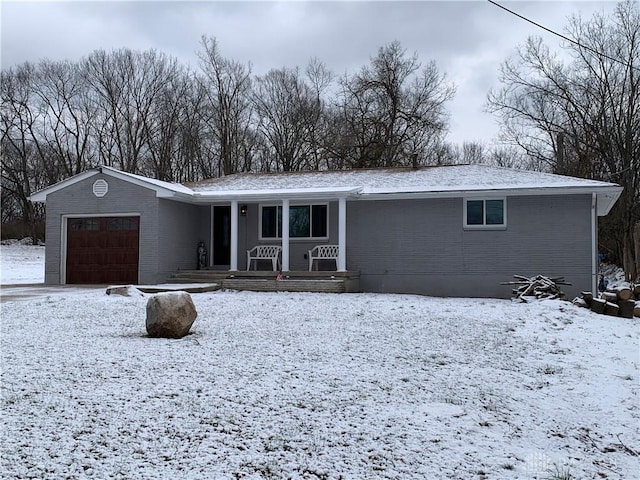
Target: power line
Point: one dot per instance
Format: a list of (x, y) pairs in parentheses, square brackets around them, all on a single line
[(564, 37)]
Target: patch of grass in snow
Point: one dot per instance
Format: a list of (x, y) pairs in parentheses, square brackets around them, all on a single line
[(560, 474), (438, 360), (550, 369), (265, 468), (489, 401)]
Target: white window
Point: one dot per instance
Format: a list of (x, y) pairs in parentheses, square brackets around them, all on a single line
[(305, 221), (486, 213)]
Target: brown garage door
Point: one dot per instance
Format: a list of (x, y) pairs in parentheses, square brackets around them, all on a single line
[(102, 250)]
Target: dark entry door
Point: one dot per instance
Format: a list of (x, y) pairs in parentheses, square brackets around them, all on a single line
[(102, 250), (221, 235)]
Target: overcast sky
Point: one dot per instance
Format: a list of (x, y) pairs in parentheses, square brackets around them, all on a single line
[(467, 39)]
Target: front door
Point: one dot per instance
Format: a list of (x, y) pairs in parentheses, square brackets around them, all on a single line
[(221, 235)]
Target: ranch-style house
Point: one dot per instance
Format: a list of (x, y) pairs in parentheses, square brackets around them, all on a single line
[(455, 230)]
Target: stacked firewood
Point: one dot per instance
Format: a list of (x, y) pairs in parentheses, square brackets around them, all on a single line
[(619, 299), (537, 287)]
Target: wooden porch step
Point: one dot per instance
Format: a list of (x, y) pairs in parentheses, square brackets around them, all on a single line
[(199, 276), (289, 285), (265, 281)]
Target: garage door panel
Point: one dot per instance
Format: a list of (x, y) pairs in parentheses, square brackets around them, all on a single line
[(86, 275), (103, 250)]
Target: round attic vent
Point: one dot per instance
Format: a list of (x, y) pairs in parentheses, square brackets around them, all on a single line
[(100, 188)]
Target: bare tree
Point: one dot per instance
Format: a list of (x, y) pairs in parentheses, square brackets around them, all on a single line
[(392, 109), (163, 126), (21, 151), (585, 111), (511, 157), (288, 111), (128, 87), (321, 130), (473, 152), (227, 85), (68, 113)]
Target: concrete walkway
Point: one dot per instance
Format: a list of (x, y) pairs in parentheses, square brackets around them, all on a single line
[(16, 292), (11, 293)]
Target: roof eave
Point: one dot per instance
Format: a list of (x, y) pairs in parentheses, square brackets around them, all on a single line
[(161, 192), (607, 195), (41, 196), (606, 199), (276, 195)]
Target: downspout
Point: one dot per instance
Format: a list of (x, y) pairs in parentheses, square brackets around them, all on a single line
[(594, 243)]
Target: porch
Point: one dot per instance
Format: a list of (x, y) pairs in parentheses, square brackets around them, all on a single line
[(265, 281), (232, 231)]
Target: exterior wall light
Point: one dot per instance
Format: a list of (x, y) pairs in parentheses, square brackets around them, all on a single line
[(243, 210)]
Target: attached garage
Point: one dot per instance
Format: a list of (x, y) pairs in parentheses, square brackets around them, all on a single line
[(102, 250), (106, 227)]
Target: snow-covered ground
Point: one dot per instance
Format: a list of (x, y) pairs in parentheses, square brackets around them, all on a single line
[(20, 263), (291, 385)]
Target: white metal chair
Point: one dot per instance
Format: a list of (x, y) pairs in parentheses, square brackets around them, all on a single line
[(264, 252), (323, 252)]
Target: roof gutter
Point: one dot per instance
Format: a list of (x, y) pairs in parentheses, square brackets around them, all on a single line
[(275, 195), (607, 196)]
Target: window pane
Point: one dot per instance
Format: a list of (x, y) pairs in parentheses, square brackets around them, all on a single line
[(279, 232), (269, 222), (123, 224), (495, 212), (475, 212), (319, 221), (85, 225), (299, 223)]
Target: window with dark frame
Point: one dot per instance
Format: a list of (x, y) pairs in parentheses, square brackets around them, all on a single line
[(305, 221), (485, 213)]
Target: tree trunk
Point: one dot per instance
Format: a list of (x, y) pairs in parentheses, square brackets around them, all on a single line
[(631, 253), (637, 250)]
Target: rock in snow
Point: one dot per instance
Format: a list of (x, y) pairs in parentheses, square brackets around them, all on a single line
[(170, 315), (124, 290)]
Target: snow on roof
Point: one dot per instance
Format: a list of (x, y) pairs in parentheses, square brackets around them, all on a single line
[(364, 184), (396, 180), (174, 187), (163, 189), (401, 182)]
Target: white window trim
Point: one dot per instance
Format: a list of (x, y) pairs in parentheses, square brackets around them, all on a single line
[(503, 226), (292, 239)]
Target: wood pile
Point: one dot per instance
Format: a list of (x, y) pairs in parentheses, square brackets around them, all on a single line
[(537, 287), (619, 299)]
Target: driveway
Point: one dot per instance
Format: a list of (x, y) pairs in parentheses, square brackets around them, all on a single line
[(11, 293), (16, 292)]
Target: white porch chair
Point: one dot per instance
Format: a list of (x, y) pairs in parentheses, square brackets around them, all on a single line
[(264, 252), (323, 252)]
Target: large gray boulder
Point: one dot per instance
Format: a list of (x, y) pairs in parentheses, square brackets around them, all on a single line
[(170, 315)]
